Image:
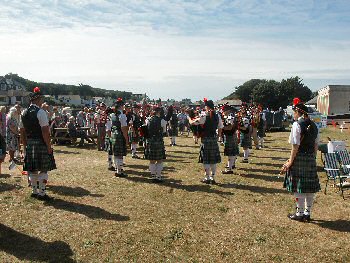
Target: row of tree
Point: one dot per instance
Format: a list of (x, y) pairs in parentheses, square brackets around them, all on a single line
[(62, 89), (271, 93)]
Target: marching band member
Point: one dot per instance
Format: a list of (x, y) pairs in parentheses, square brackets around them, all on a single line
[(135, 123), (154, 146), (301, 171), (231, 149), (209, 154), (245, 136), (173, 127)]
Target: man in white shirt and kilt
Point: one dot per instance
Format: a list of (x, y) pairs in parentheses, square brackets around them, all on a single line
[(135, 123), (154, 146), (231, 149), (35, 132), (301, 172), (209, 153)]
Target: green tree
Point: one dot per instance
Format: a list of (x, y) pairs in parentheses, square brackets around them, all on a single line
[(245, 91), (266, 94), (295, 88)]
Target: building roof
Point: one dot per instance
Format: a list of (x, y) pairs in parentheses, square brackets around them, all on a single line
[(229, 102), (312, 101)]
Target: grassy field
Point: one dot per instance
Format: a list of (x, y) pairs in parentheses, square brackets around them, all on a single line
[(96, 217)]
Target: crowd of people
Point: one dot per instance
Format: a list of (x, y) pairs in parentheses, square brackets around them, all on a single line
[(130, 125)]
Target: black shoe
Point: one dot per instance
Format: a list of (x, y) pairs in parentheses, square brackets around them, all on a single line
[(135, 157), (227, 172), (44, 198), (296, 218), (205, 181), (111, 168), (34, 195), (245, 161), (212, 181), (306, 218), (122, 174)]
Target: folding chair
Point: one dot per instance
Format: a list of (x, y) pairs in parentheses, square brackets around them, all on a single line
[(334, 172)]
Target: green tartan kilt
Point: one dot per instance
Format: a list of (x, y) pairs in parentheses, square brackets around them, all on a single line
[(134, 137), (209, 152), (37, 158), (231, 146), (302, 175), (118, 144), (246, 140), (154, 149), (173, 131)]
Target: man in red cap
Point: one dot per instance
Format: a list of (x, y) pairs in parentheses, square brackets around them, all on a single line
[(301, 172), (35, 132)]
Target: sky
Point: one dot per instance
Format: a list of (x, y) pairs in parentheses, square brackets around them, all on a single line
[(176, 49)]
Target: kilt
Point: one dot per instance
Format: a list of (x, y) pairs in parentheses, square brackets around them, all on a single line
[(118, 143), (37, 158), (302, 175), (154, 149), (246, 140), (181, 127), (194, 129), (133, 136), (173, 131), (209, 152), (231, 146), (261, 133)]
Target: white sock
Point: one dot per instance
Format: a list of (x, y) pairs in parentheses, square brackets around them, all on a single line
[(309, 201), (300, 203), (43, 177), (246, 154), (159, 169), (152, 168), (119, 166), (213, 169), (173, 140), (33, 178), (110, 162), (115, 162), (207, 170), (133, 148), (231, 162)]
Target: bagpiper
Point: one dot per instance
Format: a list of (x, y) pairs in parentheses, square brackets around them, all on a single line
[(301, 170), (231, 149), (173, 125), (135, 123), (154, 150), (35, 132), (245, 136), (209, 153)]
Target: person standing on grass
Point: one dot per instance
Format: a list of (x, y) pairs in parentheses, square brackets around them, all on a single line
[(35, 132), (154, 146), (209, 153), (245, 136), (301, 172), (12, 134), (135, 123), (231, 149)]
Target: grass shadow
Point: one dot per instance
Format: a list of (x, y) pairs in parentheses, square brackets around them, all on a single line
[(265, 177), (70, 191), (5, 175), (146, 167), (90, 211), (337, 225), (65, 152), (255, 189), (4, 187), (29, 248)]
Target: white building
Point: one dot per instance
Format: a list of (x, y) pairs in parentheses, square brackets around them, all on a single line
[(334, 99), (12, 92)]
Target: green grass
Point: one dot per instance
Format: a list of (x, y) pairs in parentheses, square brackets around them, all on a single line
[(99, 218)]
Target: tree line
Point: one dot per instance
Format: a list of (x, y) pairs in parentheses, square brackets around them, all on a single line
[(271, 93), (63, 89)]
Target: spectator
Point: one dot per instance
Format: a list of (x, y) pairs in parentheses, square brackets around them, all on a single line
[(12, 133)]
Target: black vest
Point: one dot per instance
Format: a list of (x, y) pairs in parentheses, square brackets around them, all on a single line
[(210, 125), (116, 124), (229, 132), (31, 123), (155, 127), (308, 136)]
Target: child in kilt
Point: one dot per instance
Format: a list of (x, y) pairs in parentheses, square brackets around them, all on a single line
[(35, 134), (301, 172), (154, 146), (231, 149), (209, 153), (245, 138)]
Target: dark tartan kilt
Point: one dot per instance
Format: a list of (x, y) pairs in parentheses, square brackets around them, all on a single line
[(133, 137), (37, 158), (194, 129), (118, 144), (154, 149), (181, 127), (231, 146), (209, 152), (246, 140), (173, 131), (261, 133), (302, 175)]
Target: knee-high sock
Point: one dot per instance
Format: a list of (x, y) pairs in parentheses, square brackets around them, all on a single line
[(152, 168), (207, 170), (309, 201), (119, 164), (213, 170), (261, 141), (246, 153), (43, 177), (300, 203), (133, 148), (110, 161), (231, 162), (34, 178), (159, 169), (173, 140)]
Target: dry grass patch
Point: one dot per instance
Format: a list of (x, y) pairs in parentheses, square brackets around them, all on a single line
[(96, 217)]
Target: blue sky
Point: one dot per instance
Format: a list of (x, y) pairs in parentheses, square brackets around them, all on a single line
[(176, 49)]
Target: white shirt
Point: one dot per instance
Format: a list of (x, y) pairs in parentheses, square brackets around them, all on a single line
[(295, 134), (122, 119), (42, 117), (203, 117)]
